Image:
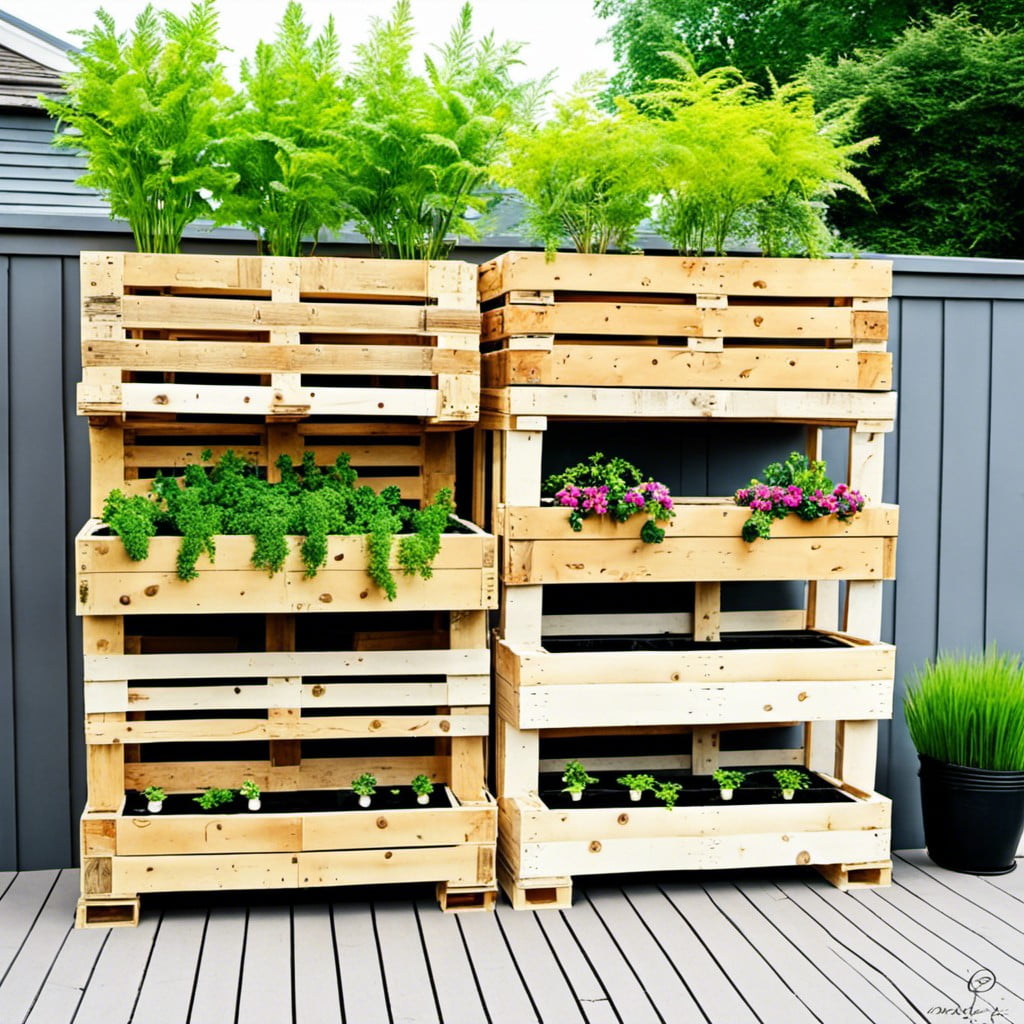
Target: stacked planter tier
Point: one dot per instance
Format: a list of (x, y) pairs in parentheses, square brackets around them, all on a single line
[(660, 339), (190, 685)]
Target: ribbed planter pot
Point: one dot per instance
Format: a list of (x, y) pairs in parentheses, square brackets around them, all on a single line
[(973, 817)]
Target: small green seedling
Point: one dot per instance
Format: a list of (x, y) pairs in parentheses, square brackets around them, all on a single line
[(364, 786), (154, 794), (668, 793), (214, 797), (728, 780), (422, 787), (394, 792), (250, 790), (637, 784), (576, 779), (790, 780)]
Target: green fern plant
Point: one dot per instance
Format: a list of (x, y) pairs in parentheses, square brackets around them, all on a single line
[(145, 108)]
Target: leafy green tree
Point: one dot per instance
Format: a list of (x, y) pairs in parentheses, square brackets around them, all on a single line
[(583, 174), (282, 139), (947, 100), (765, 38), (145, 109), (422, 146)]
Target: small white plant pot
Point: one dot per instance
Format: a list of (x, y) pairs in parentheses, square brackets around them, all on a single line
[(576, 797), (787, 794), (254, 804), (726, 794), (634, 795), (155, 806), (364, 801), (423, 798)]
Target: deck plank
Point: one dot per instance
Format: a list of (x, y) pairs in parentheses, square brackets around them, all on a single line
[(454, 982), (1011, 884), (404, 962), (618, 979), (317, 991), (114, 986), (798, 969), (654, 968), (220, 967), (540, 971), (62, 991), (166, 991), (265, 992), (362, 983), (587, 986), (28, 972), (873, 943), (862, 983), (503, 991), (756, 979), (19, 908), (710, 985)]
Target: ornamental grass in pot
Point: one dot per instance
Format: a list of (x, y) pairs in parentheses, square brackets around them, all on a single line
[(965, 714)]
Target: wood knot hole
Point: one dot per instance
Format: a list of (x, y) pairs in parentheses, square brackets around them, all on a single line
[(318, 690), (382, 823), (595, 847), (623, 819)]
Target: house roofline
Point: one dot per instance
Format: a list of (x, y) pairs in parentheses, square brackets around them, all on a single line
[(34, 43)]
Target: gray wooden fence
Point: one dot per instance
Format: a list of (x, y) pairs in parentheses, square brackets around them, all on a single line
[(955, 466)]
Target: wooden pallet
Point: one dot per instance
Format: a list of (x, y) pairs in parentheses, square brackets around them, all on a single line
[(657, 322), (110, 583), (538, 845), (277, 337)]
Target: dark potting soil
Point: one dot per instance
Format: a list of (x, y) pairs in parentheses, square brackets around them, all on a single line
[(759, 787), (387, 798), (788, 639)]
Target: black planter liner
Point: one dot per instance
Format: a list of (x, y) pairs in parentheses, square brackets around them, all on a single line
[(305, 801), (973, 817), (782, 639), (698, 791)]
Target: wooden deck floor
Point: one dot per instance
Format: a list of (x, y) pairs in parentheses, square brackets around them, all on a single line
[(777, 947)]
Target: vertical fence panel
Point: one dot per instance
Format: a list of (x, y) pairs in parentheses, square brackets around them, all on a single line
[(38, 567), (8, 803)]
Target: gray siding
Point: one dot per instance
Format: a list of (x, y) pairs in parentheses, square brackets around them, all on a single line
[(955, 465)]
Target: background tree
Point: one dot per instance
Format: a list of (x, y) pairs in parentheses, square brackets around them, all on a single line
[(948, 101)]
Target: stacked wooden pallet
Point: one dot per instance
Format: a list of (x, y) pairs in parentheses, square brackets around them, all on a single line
[(659, 339), (222, 678)]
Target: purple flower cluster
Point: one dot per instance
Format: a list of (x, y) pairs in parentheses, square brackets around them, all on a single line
[(843, 501), (588, 499), (656, 492)]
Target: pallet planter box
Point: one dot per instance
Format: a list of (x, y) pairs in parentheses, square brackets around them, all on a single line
[(812, 675), (702, 543), (666, 322), (131, 853), (540, 846), (277, 337), (110, 583)]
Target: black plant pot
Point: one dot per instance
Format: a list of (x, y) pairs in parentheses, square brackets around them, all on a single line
[(973, 817)]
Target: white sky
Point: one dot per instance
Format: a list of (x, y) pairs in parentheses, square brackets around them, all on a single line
[(562, 35)]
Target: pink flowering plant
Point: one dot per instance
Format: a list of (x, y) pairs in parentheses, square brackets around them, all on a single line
[(611, 487), (799, 487)]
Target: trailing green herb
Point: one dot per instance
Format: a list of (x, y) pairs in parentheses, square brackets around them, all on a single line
[(668, 793), (230, 498), (145, 108), (728, 778), (969, 710), (791, 779)]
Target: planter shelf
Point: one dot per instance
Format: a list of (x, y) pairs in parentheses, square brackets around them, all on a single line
[(281, 338), (110, 583), (702, 543), (451, 843), (541, 848)]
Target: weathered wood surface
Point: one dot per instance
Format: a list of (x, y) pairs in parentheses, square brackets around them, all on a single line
[(775, 947)]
